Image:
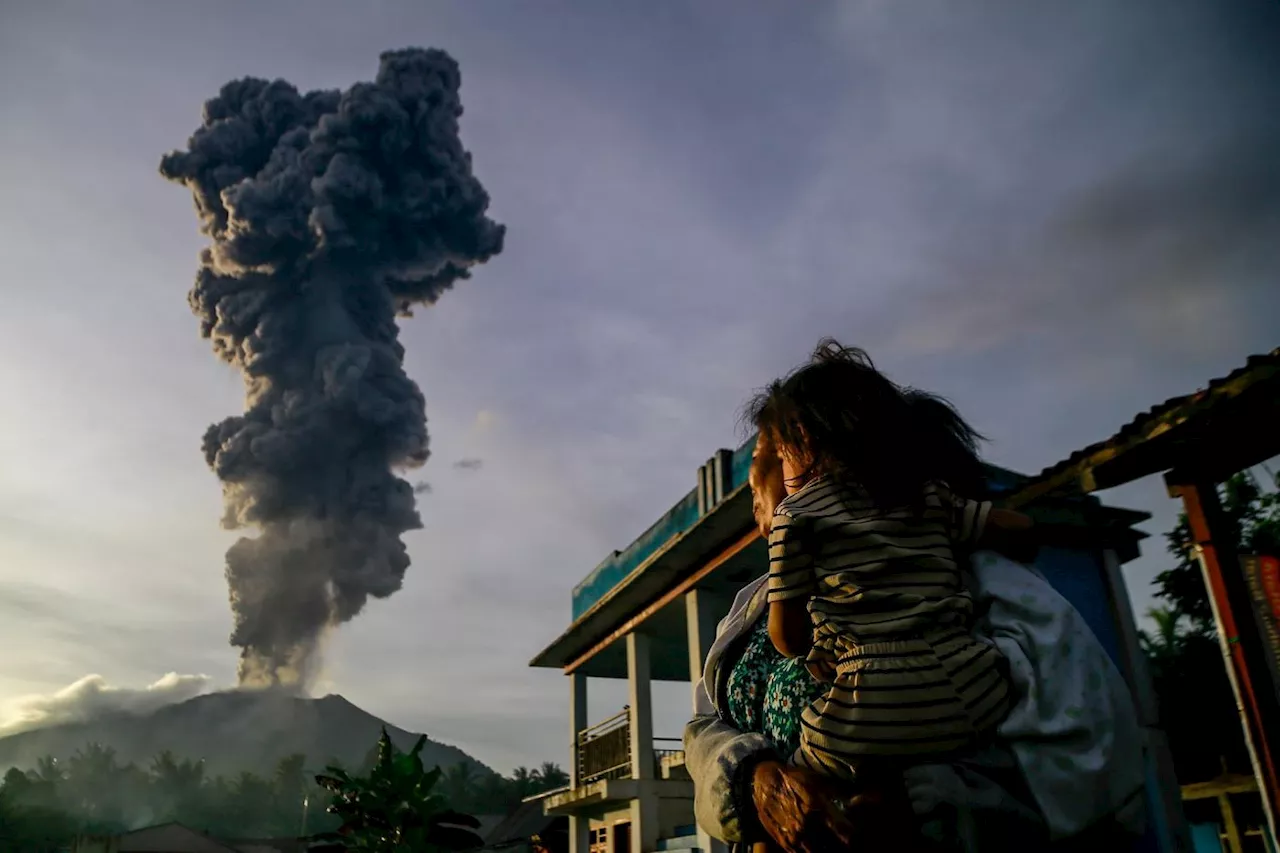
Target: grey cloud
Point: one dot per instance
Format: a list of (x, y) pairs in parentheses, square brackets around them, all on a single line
[(92, 696), (469, 464)]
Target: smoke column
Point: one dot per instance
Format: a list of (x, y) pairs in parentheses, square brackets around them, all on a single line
[(330, 215)]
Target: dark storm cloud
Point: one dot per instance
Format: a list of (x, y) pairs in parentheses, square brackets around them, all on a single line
[(330, 214)]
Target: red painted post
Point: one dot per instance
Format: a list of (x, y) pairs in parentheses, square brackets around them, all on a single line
[(1232, 610)]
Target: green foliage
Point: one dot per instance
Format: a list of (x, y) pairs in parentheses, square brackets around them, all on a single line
[(394, 809), (1197, 709), (94, 792), (1253, 514)]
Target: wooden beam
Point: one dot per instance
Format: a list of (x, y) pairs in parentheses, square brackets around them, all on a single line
[(1233, 783), (666, 598), (1229, 823)]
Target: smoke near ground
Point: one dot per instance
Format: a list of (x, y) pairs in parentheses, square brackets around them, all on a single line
[(330, 214), (92, 697)]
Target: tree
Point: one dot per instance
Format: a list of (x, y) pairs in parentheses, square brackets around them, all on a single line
[(394, 808), (1197, 708), (41, 810), (458, 784), (178, 786), (550, 777), (1253, 518)]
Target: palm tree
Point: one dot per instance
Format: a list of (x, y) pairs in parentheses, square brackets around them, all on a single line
[(291, 793), (524, 781), (1167, 640), (176, 785), (551, 776), (459, 784), (92, 783), (49, 770)]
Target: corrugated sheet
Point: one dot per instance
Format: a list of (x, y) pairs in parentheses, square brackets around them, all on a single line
[(1174, 410)]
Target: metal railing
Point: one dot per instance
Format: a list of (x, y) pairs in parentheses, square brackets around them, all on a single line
[(667, 747), (603, 751)]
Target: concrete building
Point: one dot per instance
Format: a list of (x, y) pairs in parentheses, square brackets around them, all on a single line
[(648, 613)]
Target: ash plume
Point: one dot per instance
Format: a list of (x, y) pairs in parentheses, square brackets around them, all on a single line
[(330, 214)]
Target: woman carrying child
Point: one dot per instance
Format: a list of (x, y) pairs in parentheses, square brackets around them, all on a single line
[(864, 568)]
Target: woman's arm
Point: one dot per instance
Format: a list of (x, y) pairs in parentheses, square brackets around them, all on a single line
[(721, 761)]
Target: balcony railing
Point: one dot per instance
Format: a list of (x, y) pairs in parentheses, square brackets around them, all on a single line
[(604, 750)]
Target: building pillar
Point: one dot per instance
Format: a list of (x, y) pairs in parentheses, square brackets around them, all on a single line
[(579, 834), (641, 705), (644, 808), (700, 617), (577, 721), (579, 825), (644, 822)]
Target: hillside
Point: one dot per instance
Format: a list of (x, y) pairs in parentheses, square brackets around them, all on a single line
[(232, 731)]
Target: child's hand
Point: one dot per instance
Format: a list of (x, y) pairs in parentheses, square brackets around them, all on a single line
[(821, 670)]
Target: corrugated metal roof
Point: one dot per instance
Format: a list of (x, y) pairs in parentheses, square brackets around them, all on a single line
[(1171, 413)]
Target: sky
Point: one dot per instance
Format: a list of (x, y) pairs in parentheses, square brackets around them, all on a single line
[(1056, 215)]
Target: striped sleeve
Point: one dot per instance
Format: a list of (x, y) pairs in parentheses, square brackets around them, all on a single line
[(791, 569), (967, 518)]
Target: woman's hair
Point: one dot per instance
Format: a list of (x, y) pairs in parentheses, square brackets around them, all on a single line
[(841, 416), (765, 472)]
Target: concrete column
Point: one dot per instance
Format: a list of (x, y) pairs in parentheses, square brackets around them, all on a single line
[(577, 721), (700, 616), (579, 834), (644, 822), (638, 669)]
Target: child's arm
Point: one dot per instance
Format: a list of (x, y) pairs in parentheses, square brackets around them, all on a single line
[(976, 524), (791, 585), (790, 627)]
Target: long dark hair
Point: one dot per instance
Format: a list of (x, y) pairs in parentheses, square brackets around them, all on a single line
[(847, 419)]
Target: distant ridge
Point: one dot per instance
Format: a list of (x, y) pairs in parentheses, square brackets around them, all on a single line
[(232, 731)]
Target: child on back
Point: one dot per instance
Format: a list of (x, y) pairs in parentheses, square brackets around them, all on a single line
[(864, 566)]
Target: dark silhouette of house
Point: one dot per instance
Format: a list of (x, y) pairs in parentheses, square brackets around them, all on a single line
[(176, 838), (528, 829)]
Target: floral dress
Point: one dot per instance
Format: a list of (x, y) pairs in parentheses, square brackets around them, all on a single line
[(766, 692)]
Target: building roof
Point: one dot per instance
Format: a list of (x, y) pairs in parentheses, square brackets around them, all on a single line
[(524, 822), (680, 555), (1224, 427), (167, 838)]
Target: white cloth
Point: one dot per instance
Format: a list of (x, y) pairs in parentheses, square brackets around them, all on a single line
[(1073, 726)]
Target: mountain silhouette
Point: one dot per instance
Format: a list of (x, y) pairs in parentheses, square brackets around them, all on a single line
[(232, 731)]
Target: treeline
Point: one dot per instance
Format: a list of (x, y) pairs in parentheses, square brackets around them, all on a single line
[(93, 792)]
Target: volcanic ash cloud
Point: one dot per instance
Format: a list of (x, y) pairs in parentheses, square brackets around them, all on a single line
[(330, 214)]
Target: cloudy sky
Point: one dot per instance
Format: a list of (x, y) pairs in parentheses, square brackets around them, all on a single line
[(1055, 214)]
